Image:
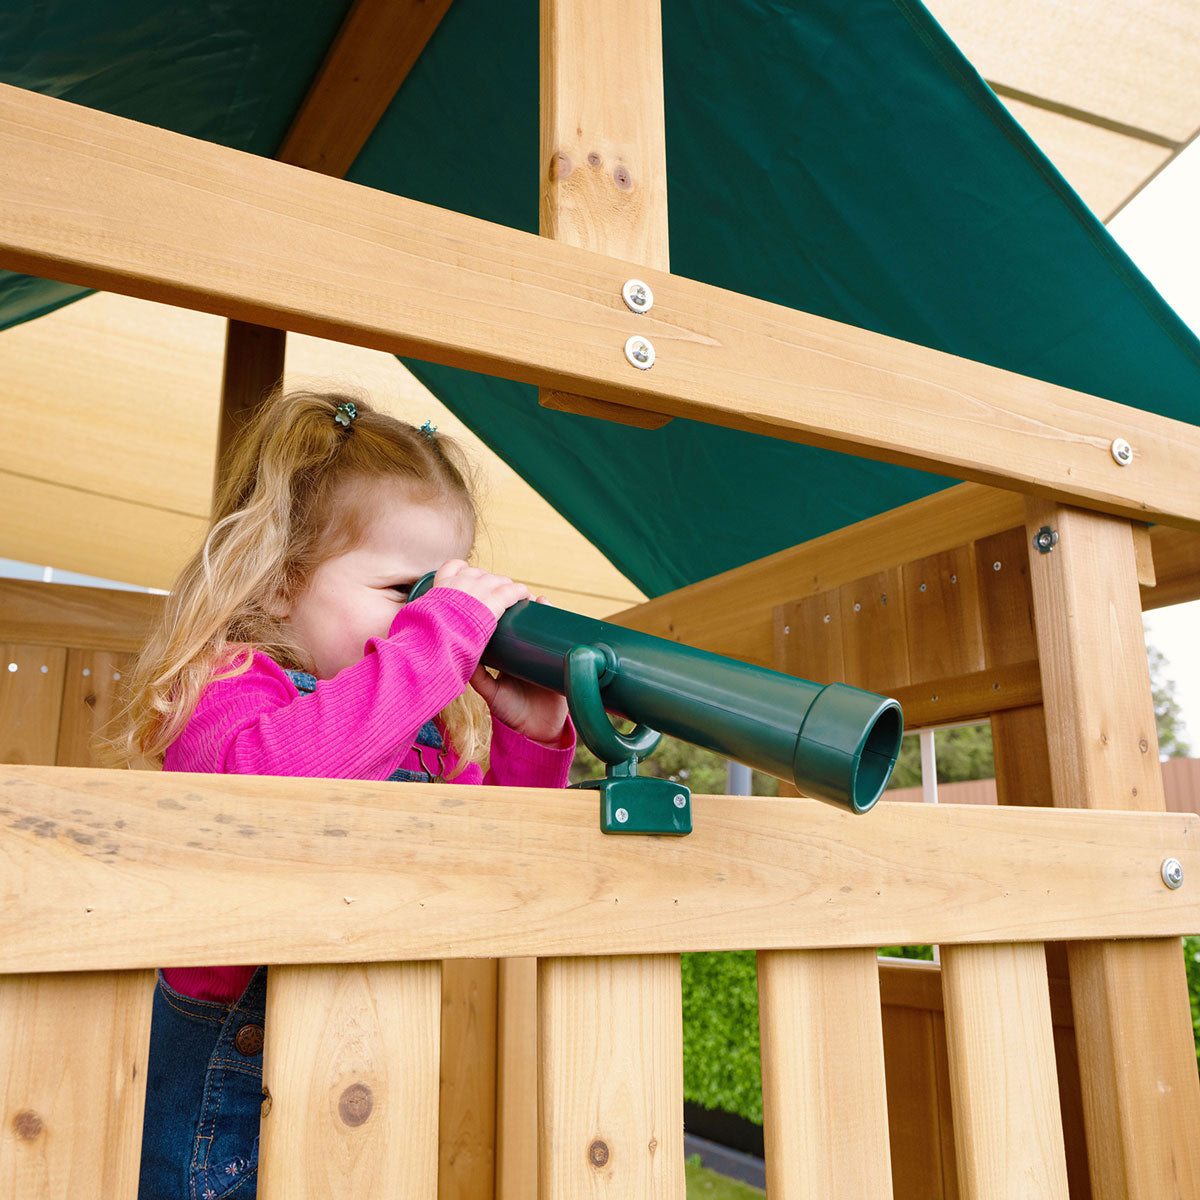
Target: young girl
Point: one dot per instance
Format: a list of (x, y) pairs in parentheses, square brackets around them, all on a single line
[(288, 648)]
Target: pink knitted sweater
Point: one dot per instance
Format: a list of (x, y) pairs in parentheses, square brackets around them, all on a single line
[(361, 724)]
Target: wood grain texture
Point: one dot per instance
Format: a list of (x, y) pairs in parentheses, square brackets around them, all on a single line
[(604, 159), (254, 360), (133, 868), (375, 49), (728, 613), (517, 1080), (73, 1089), (1008, 1133), (92, 694), (1176, 555), (611, 1078), (467, 1106), (941, 607), (104, 202), (57, 614), (31, 694), (1141, 1097), (825, 1119), (875, 648), (971, 697), (350, 1065)]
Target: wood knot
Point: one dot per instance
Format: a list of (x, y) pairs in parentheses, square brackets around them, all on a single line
[(593, 159), (355, 1104), (598, 1153), (90, 699), (560, 165), (623, 179), (1143, 745), (27, 1125)]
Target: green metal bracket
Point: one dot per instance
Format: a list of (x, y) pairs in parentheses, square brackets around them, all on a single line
[(629, 803)]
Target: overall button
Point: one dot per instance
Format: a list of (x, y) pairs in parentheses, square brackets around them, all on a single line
[(249, 1040)]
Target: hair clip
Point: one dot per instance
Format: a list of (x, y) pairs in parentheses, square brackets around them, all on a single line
[(429, 429), (345, 414)]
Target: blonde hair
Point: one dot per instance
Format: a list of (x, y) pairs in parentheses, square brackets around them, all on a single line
[(274, 522)]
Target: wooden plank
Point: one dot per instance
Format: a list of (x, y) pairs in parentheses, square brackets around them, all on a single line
[(55, 614), (874, 632), (972, 697), (376, 47), (611, 1078), (1176, 555), (350, 1075), (728, 613), (1008, 1134), (135, 868), (825, 1116), (467, 1106), (74, 1089), (104, 202), (517, 1080), (254, 358), (31, 696), (941, 607), (91, 696), (922, 1150), (1141, 1096), (604, 155)]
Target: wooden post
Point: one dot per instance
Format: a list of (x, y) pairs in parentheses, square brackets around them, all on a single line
[(1140, 1091), (254, 358), (604, 159)]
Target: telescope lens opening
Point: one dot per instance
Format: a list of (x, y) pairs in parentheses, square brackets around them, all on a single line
[(880, 749)]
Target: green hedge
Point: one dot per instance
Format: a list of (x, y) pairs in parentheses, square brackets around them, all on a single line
[(720, 1025)]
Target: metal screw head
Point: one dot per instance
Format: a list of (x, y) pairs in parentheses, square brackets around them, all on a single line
[(827, 618), (639, 352), (995, 566), (1122, 452), (637, 296), (622, 815), (922, 587), (1172, 872), (1045, 539), (680, 800)]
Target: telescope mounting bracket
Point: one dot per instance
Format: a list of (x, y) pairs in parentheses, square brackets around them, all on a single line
[(629, 803)]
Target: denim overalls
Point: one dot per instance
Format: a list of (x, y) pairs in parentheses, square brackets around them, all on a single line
[(204, 1084)]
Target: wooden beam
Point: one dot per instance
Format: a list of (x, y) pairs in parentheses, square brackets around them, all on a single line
[(1176, 567), (730, 613), (604, 149), (972, 697), (60, 614), (124, 869), (100, 201), (1141, 1096), (376, 47)]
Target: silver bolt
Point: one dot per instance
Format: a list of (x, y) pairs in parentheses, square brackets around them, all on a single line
[(637, 296), (1172, 872), (1122, 452), (680, 800), (639, 352), (622, 815)]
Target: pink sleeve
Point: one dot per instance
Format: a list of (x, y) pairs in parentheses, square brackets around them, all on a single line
[(352, 725), (518, 762)]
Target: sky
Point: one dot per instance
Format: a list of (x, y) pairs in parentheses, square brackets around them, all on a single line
[(1159, 229)]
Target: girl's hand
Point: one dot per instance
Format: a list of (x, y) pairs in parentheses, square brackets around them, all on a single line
[(497, 592), (536, 712)]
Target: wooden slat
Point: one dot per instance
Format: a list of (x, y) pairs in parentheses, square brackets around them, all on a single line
[(971, 697), (825, 1120), (376, 47), (254, 359), (1143, 553), (467, 1105), (604, 157), (91, 695), (728, 613), (55, 614), (517, 1080), (1008, 1134), (1141, 1096), (31, 693), (124, 868), (874, 632), (73, 1051), (101, 201), (350, 1066), (611, 1078), (1176, 567)]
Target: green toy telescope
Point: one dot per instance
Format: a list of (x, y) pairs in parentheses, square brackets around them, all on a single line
[(836, 743)]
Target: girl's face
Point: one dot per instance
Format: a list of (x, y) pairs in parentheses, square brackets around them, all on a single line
[(356, 595)]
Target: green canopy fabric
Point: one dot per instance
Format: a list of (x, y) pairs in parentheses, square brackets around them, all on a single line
[(836, 156)]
